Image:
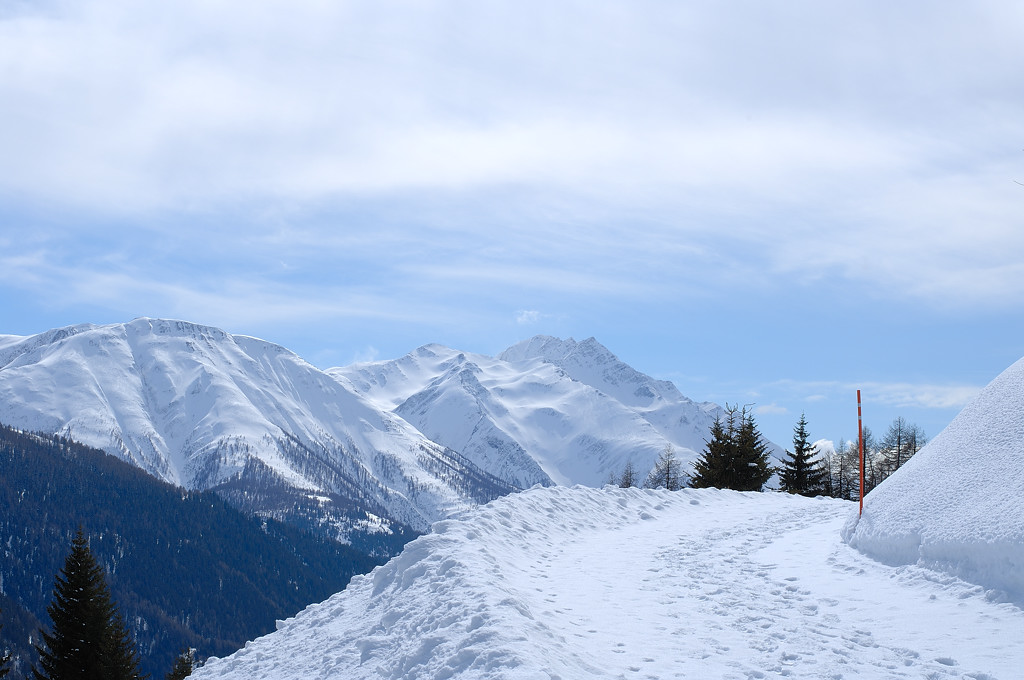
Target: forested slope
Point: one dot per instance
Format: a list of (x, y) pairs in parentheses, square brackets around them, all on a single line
[(187, 569)]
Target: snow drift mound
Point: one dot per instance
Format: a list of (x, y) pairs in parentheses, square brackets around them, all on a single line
[(956, 505), (555, 582)]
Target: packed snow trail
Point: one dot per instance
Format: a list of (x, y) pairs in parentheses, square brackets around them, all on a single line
[(623, 583)]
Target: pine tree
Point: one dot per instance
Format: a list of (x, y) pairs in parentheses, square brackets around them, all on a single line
[(122, 657), (183, 666), (800, 473), (714, 467), (753, 467), (88, 640), (736, 457)]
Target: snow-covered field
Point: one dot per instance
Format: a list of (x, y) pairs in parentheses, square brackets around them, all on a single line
[(623, 583)]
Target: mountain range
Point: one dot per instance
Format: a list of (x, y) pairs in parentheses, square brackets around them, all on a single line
[(544, 411), (368, 448)]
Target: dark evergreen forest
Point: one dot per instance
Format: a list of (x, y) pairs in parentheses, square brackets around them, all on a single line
[(186, 569)]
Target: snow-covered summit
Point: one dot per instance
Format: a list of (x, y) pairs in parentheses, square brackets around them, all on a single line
[(199, 407), (956, 505), (593, 364), (544, 411), (525, 424)]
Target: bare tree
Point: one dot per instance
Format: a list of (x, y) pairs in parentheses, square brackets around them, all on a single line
[(666, 473), (901, 441)]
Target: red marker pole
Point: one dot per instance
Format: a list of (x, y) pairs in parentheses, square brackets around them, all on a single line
[(860, 444)]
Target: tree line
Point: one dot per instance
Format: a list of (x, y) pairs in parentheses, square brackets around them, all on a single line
[(736, 457), (882, 457)]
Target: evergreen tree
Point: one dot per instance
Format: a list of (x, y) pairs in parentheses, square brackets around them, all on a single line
[(753, 467), (122, 656), (88, 640), (183, 666), (800, 473), (715, 466), (628, 478), (736, 457), (666, 473)]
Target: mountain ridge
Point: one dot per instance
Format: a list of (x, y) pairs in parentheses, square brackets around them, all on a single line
[(196, 406), (573, 407)]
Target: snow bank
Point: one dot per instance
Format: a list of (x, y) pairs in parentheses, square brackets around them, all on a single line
[(563, 583), (482, 596), (957, 505)]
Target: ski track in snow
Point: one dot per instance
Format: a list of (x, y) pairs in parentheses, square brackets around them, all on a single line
[(607, 583)]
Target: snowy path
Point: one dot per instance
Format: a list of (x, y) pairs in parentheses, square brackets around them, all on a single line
[(585, 583)]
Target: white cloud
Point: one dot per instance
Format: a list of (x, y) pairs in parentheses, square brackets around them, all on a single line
[(773, 409), (895, 394), (921, 396), (367, 354), (644, 147), (527, 317)]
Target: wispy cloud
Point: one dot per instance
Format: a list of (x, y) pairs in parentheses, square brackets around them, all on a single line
[(527, 317), (897, 394), (771, 409)]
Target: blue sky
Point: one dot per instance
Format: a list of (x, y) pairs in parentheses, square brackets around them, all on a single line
[(766, 203)]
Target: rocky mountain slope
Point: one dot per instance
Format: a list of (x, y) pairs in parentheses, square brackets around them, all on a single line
[(204, 409)]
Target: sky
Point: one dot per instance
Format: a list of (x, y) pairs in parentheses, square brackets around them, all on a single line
[(772, 204)]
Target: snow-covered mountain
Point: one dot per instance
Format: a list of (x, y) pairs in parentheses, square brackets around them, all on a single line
[(196, 406), (679, 419), (544, 411)]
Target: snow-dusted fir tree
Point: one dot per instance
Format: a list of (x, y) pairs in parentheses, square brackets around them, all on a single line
[(736, 456), (754, 465), (666, 473), (800, 472)]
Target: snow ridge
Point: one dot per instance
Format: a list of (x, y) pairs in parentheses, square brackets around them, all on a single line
[(544, 411), (579, 582)]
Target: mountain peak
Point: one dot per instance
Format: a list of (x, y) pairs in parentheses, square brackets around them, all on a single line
[(196, 406)]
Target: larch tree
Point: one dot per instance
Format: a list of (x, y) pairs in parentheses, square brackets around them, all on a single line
[(88, 640), (900, 442), (666, 473)]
